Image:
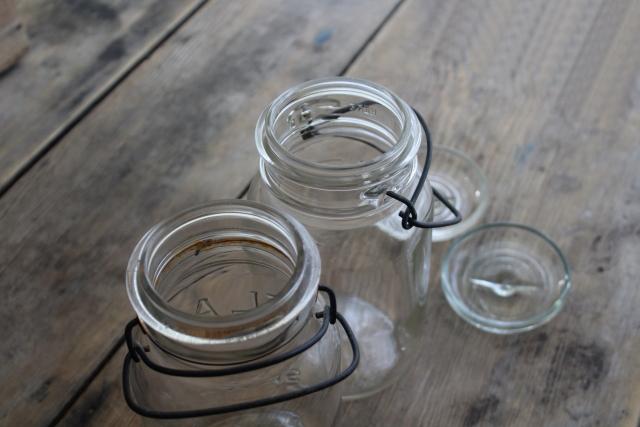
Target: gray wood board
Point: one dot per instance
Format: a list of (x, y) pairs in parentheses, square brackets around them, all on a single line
[(546, 97), (177, 132), (76, 48)]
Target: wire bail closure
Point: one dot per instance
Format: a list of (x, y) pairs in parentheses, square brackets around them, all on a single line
[(410, 215), (137, 354)]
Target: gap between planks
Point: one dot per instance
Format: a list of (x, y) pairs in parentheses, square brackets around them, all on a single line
[(110, 86), (100, 94), (68, 125)]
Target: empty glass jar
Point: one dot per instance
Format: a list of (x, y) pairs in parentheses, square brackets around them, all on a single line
[(232, 326), (330, 151)]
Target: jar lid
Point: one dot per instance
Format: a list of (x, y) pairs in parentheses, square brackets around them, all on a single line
[(505, 278), (458, 178)]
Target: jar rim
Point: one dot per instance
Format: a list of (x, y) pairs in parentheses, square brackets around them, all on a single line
[(276, 316), (403, 151)]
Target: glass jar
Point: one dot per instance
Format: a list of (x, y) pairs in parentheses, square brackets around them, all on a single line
[(232, 325), (331, 150)]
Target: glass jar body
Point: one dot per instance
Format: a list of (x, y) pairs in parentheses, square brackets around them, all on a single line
[(380, 273), (318, 409), (330, 152), (231, 287)]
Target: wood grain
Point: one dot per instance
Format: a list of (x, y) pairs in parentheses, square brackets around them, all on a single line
[(178, 132), (76, 48), (546, 97)]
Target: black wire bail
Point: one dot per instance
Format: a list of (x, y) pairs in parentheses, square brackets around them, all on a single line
[(410, 215), (137, 354)]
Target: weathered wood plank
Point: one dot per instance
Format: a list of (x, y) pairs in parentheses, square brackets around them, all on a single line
[(545, 96), (102, 403), (176, 133), (76, 49)]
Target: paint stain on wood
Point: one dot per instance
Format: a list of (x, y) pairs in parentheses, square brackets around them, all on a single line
[(56, 21), (523, 153), (113, 51), (606, 246), (537, 344), (322, 38), (480, 409), (575, 368), (42, 392)]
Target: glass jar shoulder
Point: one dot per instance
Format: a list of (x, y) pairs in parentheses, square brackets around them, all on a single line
[(387, 218), (368, 257), (318, 363)]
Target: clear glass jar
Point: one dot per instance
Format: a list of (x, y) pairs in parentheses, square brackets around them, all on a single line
[(330, 150), (222, 287)]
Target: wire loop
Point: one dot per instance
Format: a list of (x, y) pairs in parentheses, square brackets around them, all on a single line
[(137, 354), (409, 215)]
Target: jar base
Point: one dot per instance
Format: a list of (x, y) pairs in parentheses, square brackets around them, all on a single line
[(381, 351)]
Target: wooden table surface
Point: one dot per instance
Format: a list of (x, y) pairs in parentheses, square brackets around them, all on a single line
[(122, 113)]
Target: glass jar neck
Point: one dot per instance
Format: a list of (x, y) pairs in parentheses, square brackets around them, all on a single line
[(332, 148), (224, 283)]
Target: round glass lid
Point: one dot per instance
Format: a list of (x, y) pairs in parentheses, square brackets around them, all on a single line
[(505, 278), (460, 180)]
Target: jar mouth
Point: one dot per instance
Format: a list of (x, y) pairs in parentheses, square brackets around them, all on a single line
[(231, 276), (314, 107), (331, 149)]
